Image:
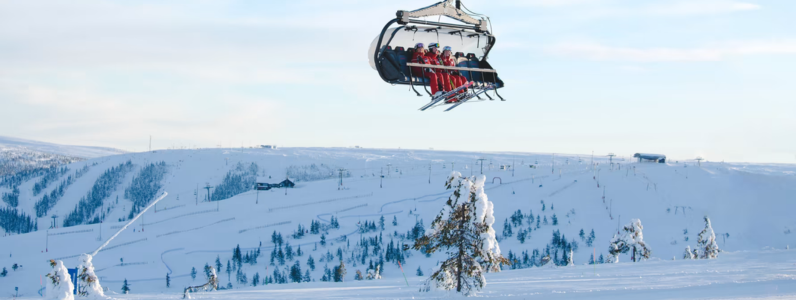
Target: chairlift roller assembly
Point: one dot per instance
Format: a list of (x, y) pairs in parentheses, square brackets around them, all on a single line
[(469, 37)]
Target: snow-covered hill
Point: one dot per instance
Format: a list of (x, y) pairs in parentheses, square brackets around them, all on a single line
[(62, 150), (751, 208)]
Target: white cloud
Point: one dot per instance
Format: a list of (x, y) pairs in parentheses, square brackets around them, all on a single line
[(594, 51), (551, 3), (700, 7)]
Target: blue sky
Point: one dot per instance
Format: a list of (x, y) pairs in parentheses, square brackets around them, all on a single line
[(684, 78)]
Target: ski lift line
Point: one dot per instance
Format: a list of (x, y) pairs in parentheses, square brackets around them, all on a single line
[(269, 247), (451, 68), (167, 251), (265, 226), (129, 223), (318, 202), (371, 215), (122, 265), (197, 228), (71, 232)]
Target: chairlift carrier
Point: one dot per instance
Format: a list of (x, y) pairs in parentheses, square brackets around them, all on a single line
[(391, 51)]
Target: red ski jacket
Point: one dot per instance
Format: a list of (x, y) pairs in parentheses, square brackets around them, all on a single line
[(420, 59)]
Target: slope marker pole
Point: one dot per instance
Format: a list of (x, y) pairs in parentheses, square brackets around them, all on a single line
[(402, 272)]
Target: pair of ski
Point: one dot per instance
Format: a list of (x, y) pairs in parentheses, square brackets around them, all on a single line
[(468, 97), (460, 99), (446, 95)]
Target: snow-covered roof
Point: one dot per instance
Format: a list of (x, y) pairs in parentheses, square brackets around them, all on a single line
[(649, 156)]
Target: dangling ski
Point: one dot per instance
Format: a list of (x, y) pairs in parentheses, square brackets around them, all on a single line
[(471, 96), (444, 96)]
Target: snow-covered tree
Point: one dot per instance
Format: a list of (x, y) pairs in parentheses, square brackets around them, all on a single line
[(708, 249), (419, 271), (463, 228), (631, 239), (89, 282), (193, 273), (168, 280), (59, 285), (339, 272), (374, 273), (569, 260), (688, 254)]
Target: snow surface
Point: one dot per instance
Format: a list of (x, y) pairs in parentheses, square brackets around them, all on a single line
[(754, 204), (65, 150)]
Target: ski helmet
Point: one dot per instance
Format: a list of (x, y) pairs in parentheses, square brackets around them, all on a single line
[(447, 48), (433, 45), (419, 45)]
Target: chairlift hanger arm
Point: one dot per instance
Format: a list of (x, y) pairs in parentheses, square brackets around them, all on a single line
[(449, 8)]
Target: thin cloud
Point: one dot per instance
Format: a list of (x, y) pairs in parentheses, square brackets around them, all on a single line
[(599, 52)]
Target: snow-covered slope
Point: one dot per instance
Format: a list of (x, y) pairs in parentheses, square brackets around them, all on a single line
[(751, 208), (64, 150)]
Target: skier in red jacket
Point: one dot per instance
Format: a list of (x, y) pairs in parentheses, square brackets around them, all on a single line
[(434, 76), (453, 77), (433, 55)]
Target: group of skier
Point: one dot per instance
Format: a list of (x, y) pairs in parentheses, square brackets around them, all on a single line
[(441, 80)]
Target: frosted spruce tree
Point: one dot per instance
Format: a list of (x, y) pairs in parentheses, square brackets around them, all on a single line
[(89, 283), (463, 228), (687, 254), (706, 244), (630, 239), (59, 283)]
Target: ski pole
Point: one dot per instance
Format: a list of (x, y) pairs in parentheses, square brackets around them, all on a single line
[(402, 272)]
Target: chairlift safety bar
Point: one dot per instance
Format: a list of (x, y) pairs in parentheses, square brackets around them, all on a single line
[(451, 68)]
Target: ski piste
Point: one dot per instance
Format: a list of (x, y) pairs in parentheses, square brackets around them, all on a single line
[(488, 87), (439, 98)]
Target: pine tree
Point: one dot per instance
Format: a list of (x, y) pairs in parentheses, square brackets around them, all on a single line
[(306, 277), (582, 235), (229, 272), (394, 221), (288, 252), (323, 240), (193, 273), (464, 229), (125, 287), (602, 261), (555, 220), (706, 244), (311, 263), (295, 272), (419, 271), (339, 272), (591, 238), (570, 260), (507, 228), (168, 280), (218, 263), (688, 254), (4, 273), (381, 223), (631, 239)]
